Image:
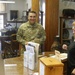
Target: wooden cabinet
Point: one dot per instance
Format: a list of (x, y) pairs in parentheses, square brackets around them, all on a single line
[(66, 33)]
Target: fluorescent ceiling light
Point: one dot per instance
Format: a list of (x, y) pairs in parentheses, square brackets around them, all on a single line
[(7, 1)]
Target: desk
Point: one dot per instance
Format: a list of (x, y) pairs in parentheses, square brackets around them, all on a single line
[(14, 66)]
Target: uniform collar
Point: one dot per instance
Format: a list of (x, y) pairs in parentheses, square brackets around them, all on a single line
[(32, 26)]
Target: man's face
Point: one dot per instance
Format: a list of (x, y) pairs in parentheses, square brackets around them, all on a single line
[(32, 18), (73, 27)]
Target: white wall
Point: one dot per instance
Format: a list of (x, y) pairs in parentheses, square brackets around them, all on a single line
[(19, 5), (64, 5), (22, 5), (29, 3), (42, 8)]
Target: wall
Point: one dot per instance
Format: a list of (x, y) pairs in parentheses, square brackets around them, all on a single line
[(19, 5), (64, 5), (29, 3), (22, 5), (42, 8)]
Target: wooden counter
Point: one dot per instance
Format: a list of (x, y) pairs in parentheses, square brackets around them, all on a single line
[(14, 66)]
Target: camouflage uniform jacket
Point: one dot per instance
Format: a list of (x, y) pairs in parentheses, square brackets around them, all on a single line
[(34, 33)]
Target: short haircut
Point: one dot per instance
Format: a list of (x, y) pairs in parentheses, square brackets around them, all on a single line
[(32, 12)]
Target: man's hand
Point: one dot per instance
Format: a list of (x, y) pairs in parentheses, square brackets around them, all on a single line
[(64, 47), (26, 43), (73, 72)]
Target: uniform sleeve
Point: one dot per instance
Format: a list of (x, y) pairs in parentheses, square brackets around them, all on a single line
[(20, 36), (41, 37)]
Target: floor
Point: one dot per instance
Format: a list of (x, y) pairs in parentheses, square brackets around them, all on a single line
[(13, 66)]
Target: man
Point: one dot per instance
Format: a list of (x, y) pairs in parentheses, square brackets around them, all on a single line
[(71, 54), (31, 31)]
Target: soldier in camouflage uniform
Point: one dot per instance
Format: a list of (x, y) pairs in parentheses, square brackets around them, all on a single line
[(31, 31)]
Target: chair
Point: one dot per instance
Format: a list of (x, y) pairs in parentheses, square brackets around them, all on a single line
[(11, 47)]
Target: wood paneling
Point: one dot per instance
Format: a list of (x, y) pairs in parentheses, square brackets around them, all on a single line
[(51, 26)]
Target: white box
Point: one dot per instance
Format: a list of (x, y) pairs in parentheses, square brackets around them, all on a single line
[(31, 55), (26, 59), (31, 61)]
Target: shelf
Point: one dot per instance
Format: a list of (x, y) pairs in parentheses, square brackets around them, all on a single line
[(66, 39), (67, 17), (16, 21), (67, 28), (66, 32)]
